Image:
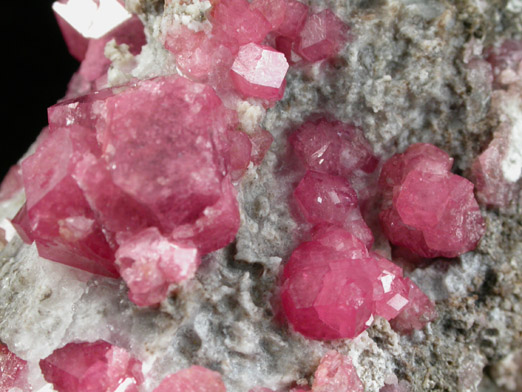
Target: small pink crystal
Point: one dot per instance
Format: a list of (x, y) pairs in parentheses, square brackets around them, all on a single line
[(336, 373), (322, 36), (426, 208), (199, 56), (240, 153), (417, 313), (323, 198), (259, 71), (492, 187), (333, 147), (13, 371), (507, 56), (239, 22), (12, 183), (193, 379), (149, 262), (295, 18), (261, 141), (85, 367)]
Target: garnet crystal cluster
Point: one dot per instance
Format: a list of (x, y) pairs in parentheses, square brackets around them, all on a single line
[(146, 169)]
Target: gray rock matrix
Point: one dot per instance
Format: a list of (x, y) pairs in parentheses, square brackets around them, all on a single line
[(403, 79)]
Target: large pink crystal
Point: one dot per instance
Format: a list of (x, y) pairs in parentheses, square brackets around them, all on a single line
[(120, 165), (193, 379), (323, 198), (332, 286), (426, 208), (85, 367), (336, 373), (259, 71), (322, 36), (13, 371), (333, 147)]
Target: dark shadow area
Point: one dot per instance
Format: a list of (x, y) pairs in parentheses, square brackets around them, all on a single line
[(37, 70)]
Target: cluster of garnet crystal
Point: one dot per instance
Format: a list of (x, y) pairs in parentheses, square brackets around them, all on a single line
[(333, 285), (136, 181)]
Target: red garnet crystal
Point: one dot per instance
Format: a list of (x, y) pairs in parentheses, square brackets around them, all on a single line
[(118, 169), (323, 198), (426, 208), (332, 286), (85, 367), (336, 373), (13, 371), (259, 71), (193, 379), (333, 147)]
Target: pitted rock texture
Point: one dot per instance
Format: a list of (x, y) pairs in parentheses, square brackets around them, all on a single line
[(404, 79)]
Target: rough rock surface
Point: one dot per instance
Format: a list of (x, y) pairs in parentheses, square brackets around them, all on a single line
[(404, 79)]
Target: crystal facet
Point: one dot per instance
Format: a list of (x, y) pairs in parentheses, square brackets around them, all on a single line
[(13, 371), (259, 71)]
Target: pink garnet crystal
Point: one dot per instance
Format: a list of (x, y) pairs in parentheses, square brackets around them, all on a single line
[(417, 313), (332, 286), (117, 169), (336, 373), (322, 36), (323, 198), (85, 367), (193, 379), (13, 371), (333, 147), (259, 71), (426, 208)]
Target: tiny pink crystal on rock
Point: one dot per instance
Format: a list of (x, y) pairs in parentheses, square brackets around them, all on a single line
[(323, 198), (259, 71), (193, 379), (417, 313), (333, 147), (336, 373), (13, 371), (426, 208), (322, 36), (86, 367)]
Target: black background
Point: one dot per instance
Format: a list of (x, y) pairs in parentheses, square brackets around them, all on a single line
[(37, 68)]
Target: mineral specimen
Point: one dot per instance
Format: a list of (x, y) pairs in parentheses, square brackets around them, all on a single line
[(426, 208), (238, 220), (99, 366)]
